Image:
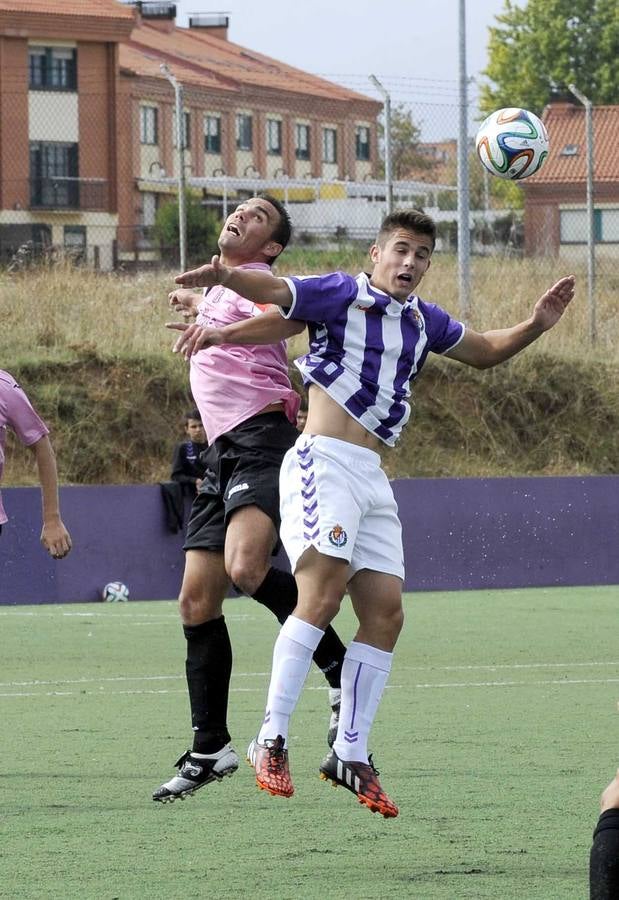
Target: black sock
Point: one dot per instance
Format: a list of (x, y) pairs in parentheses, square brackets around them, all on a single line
[(278, 592), (208, 667), (604, 858)]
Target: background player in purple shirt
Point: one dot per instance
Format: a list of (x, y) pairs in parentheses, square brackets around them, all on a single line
[(369, 337), (248, 406), (17, 413)]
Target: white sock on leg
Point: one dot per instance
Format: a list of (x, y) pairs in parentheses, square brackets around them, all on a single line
[(364, 675), (292, 658)]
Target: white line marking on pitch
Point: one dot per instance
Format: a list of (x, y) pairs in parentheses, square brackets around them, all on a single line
[(253, 690)]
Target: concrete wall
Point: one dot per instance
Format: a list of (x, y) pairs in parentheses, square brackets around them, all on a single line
[(459, 534)]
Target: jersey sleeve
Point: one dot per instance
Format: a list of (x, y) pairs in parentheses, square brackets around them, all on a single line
[(319, 298), (443, 332), (17, 412)]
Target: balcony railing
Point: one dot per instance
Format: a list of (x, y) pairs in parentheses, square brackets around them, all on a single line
[(65, 192)]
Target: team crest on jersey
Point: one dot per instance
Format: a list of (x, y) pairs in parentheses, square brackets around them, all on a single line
[(337, 536)]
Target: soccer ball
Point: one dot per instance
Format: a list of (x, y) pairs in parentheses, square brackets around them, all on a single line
[(512, 143), (115, 592)]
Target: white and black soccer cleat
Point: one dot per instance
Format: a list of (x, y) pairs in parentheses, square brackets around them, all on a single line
[(335, 698), (196, 771)]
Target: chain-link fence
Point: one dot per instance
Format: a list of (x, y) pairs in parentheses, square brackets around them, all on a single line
[(90, 157)]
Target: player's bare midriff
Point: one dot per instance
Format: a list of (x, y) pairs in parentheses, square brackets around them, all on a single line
[(272, 407), (326, 417)]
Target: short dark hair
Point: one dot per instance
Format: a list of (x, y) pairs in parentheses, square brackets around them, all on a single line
[(411, 220), (192, 414), (283, 230)]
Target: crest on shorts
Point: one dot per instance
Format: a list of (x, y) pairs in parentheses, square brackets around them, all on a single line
[(337, 536)]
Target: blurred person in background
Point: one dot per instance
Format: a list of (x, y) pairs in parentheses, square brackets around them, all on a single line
[(187, 468)]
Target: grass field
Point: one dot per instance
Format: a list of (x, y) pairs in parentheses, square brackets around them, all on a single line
[(495, 737)]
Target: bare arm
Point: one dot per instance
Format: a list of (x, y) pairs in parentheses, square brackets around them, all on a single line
[(493, 347), (54, 536), (268, 328), (259, 286)]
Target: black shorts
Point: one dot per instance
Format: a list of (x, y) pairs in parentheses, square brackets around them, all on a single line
[(242, 470)]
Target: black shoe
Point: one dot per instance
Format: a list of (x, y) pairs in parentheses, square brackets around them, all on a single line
[(361, 779), (196, 771)]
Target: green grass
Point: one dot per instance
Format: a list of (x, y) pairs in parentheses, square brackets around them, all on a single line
[(495, 736)]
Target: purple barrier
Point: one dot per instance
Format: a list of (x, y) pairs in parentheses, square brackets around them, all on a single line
[(459, 534)]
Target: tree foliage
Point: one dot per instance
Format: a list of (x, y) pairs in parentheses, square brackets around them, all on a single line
[(405, 140), (203, 228), (542, 47)]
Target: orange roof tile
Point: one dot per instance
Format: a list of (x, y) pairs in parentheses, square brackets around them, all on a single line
[(203, 55), (111, 9), (566, 129)]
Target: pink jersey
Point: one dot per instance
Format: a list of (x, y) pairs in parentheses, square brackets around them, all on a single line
[(16, 411), (231, 383)]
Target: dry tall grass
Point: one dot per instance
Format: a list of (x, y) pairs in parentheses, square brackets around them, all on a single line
[(95, 357), (59, 312)]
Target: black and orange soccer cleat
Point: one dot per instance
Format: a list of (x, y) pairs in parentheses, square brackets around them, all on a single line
[(270, 762), (361, 779)]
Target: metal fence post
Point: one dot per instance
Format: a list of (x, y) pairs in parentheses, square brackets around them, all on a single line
[(590, 211), (464, 241)]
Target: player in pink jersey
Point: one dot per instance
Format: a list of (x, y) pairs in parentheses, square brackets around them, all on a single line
[(248, 408), (17, 413)]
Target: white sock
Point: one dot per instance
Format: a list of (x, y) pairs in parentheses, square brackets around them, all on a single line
[(292, 658), (364, 675)]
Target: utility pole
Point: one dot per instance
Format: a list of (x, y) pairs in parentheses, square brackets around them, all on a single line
[(182, 211)]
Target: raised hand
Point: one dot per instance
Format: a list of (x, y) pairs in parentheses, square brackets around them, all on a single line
[(551, 305)]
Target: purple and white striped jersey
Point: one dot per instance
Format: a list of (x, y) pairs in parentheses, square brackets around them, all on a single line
[(366, 347)]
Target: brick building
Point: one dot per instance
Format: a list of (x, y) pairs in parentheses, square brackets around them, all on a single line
[(87, 127), (555, 218)]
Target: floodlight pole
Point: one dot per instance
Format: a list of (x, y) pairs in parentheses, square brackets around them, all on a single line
[(590, 211), (388, 178), (464, 239), (182, 212)]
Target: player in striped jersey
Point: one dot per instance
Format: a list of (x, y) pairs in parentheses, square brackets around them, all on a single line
[(369, 337)]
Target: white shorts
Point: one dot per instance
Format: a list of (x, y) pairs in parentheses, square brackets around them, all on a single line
[(334, 496)]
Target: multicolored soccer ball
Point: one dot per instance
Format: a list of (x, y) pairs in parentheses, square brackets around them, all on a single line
[(512, 143), (115, 592)]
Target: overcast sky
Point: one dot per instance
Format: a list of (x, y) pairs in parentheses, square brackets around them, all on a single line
[(411, 46)]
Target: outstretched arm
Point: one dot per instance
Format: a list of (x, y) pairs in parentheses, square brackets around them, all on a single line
[(267, 328), (54, 536), (256, 285), (493, 347)]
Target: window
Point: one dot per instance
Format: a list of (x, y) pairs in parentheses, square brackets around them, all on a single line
[(149, 125), (52, 68), (54, 174), (362, 143), (274, 137), (212, 134), (575, 226), (186, 131), (243, 132), (302, 146), (329, 145)]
